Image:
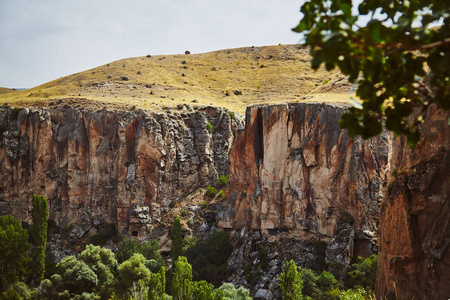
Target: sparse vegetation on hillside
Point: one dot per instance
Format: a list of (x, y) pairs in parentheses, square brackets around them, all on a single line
[(285, 77)]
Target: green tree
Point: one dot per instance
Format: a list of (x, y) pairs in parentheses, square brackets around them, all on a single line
[(310, 287), (177, 239), (75, 276), (39, 216), (363, 273), (130, 271), (14, 249), (227, 291), (388, 48), (157, 285), (203, 290), (291, 282), (103, 262), (150, 252), (182, 280), (326, 281), (126, 249), (209, 258)]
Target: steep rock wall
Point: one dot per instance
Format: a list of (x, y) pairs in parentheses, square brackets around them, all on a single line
[(109, 167), (414, 257), (294, 170)]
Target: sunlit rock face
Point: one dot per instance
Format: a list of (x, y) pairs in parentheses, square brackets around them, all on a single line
[(98, 167), (299, 187), (414, 257), (294, 171)]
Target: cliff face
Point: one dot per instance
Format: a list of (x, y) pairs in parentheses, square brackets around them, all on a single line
[(109, 167), (414, 258), (299, 188), (294, 170)]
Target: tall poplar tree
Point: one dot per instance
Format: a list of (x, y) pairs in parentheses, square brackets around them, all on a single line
[(177, 240), (38, 233)]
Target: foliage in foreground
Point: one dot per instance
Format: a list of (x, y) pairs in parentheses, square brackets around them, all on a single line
[(38, 234), (291, 282), (14, 249), (399, 62)]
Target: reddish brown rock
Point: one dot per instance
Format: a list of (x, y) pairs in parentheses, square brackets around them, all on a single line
[(414, 258), (109, 167), (294, 173)]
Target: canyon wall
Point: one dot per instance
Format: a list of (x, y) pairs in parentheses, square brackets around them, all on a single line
[(414, 254), (98, 167), (299, 187), (294, 170)]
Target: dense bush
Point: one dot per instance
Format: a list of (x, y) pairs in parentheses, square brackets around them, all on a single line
[(229, 292), (211, 191), (106, 233), (126, 249), (223, 180), (209, 258), (362, 273)]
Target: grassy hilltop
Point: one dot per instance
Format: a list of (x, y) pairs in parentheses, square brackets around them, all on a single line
[(263, 75)]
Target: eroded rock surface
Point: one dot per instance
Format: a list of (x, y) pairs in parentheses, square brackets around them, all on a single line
[(295, 174), (103, 167), (414, 258)]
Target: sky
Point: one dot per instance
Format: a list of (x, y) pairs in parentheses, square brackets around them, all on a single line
[(42, 40)]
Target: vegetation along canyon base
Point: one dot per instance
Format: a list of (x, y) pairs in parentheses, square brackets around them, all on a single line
[(318, 170)]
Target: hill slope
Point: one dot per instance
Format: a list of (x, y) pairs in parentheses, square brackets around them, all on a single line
[(271, 74)]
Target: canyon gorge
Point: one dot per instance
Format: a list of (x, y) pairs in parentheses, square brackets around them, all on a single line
[(299, 187)]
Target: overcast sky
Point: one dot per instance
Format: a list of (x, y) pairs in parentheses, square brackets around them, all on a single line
[(41, 40)]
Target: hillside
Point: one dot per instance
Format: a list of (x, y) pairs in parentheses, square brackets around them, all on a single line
[(271, 74), (5, 90)]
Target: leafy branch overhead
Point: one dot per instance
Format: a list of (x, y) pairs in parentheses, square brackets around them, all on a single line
[(390, 48)]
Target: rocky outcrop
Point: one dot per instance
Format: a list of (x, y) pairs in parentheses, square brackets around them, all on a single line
[(98, 167), (295, 173), (414, 257), (302, 189), (299, 187)]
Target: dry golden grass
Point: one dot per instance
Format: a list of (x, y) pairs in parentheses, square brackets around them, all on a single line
[(5, 90), (264, 75)]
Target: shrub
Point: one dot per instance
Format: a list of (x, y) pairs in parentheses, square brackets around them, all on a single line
[(231, 115), (210, 127), (150, 252), (76, 276), (211, 191), (222, 194), (362, 273), (209, 258), (126, 249), (223, 180), (124, 78)]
